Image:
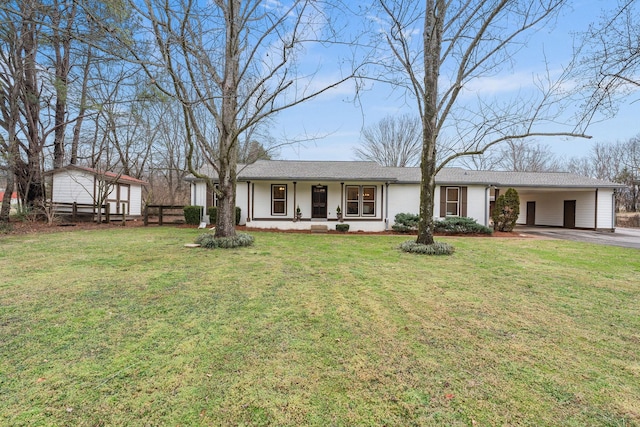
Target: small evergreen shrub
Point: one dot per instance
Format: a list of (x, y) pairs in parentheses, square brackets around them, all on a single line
[(343, 228), (460, 225), (192, 214), (406, 223), (213, 214), (437, 248), (209, 241), (506, 211)]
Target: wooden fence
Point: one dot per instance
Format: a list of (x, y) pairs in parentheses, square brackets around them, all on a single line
[(162, 210), (77, 210)]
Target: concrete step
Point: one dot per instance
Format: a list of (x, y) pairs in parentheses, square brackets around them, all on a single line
[(319, 228)]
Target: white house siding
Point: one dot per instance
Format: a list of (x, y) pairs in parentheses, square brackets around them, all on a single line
[(135, 200), (477, 203), (403, 198), (605, 210), (199, 193), (72, 186)]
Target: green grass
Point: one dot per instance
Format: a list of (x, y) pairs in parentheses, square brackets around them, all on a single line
[(128, 327)]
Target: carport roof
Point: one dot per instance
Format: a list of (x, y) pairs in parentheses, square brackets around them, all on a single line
[(370, 171)]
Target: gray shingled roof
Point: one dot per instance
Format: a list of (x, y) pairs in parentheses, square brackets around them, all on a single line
[(370, 171)]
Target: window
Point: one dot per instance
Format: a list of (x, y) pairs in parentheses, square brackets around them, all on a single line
[(212, 195), (361, 200), (279, 199), (453, 201), (353, 200)]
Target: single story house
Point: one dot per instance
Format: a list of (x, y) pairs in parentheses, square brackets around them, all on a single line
[(369, 195), (86, 186)]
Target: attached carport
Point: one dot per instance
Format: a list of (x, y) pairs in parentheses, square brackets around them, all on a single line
[(581, 208), (557, 199)]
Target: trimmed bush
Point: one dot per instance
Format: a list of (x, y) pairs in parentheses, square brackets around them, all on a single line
[(213, 214), (343, 228), (437, 248), (192, 214), (506, 211), (209, 241), (406, 223), (460, 225)]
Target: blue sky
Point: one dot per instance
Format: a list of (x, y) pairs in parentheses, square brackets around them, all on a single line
[(336, 121)]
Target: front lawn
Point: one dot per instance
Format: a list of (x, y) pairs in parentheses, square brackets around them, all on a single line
[(128, 327)]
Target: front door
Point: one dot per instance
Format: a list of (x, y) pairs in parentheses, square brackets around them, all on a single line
[(531, 213), (319, 201), (569, 214)]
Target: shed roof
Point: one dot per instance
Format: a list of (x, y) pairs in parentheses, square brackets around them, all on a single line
[(108, 175), (293, 170)]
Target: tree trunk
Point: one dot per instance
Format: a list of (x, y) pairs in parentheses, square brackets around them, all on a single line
[(427, 201), (228, 146), (432, 45), (62, 47), (6, 202), (30, 174), (225, 222)]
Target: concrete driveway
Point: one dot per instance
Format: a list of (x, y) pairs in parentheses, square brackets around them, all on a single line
[(625, 237)]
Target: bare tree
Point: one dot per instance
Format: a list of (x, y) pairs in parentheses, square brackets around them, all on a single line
[(393, 141), (236, 61), (462, 43), (516, 156), (609, 56), (521, 156)]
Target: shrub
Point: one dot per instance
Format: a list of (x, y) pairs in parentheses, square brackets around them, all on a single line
[(460, 225), (506, 211), (25, 214), (406, 223), (209, 241), (213, 214), (437, 248), (343, 228), (192, 214), (5, 227)]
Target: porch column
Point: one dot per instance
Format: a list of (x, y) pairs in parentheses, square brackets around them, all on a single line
[(294, 199), (249, 201), (595, 215)]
